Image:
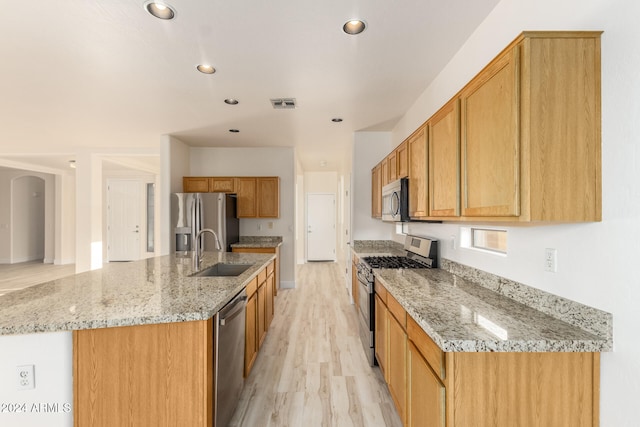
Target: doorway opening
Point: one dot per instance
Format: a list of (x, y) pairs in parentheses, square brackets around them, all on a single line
[(321, 226)]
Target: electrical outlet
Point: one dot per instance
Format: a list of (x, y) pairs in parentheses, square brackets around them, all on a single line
[(26, 377), (453, 242), (551, 260)]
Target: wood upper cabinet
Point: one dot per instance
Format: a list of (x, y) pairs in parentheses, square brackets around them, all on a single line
[(417, 145), (384, 172), (490, 140), (195, 184), (402, 155), (258, 197), (219, 184), (268, 197), (444, 161), (376, 191), (247, 191), (530, 126)]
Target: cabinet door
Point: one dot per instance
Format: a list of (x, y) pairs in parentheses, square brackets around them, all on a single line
[(251, 337), (269, 309), (444, 161), (491, 140), (246, 189), (392, 165), (195, 184), (219, 184), (418, 174), (381, 337), (354, 283), (268, 197), (425, 407), (402, 154), (397, 366), (376, 192), (262, 312), (384, 173)]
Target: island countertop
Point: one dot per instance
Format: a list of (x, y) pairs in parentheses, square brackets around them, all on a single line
[(463, 315), (153, 290)]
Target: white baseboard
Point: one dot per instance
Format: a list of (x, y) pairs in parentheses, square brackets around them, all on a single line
[(287, 284), (64, 261), (47, 261), (5, 261)]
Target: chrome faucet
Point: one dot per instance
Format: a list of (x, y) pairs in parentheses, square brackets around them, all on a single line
[(198, 254)]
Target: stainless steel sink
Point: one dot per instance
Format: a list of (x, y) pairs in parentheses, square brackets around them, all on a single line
[(222, 269)]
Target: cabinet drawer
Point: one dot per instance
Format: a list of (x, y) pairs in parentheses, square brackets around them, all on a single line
[(222, 185), (262, 276), (429, 349), (252, 287), (398, 312), (381, 291)]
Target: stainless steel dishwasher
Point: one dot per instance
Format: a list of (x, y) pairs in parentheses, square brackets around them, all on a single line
[(229, 358)]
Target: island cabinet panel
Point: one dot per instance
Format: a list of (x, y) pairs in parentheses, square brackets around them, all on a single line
[(195, 184), (418, 188), (523, 389), (251, 328), (444, 161), (148, 375), (270, 292)]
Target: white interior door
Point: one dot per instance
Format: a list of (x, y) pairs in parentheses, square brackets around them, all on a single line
[(321, 227), (123, 223)]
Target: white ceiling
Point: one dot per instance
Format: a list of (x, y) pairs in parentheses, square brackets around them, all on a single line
[(86, 73)]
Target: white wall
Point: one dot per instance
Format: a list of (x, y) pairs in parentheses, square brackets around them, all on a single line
[(259, 162), (50, 353), (369, 148), (65, 219), (174, 164), (7, 179), (27, 205), (596, 261)]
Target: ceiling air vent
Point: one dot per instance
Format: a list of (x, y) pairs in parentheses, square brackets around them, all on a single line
[(284, 103)]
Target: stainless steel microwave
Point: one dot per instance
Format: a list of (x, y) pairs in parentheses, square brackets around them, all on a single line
[(395, 201)]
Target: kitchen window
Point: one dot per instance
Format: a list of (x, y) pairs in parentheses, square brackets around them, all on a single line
[(484, 239)]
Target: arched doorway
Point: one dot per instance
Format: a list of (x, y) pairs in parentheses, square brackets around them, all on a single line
[(27, 219)]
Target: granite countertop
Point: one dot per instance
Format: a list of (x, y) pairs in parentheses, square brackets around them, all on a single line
[(461, 315), (258, 242), (154, 290)]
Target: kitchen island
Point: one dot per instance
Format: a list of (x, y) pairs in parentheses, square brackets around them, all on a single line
[(459, 347), (142, 335)]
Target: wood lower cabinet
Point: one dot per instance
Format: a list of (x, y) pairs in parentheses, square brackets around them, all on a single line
[(251, 328), (262, 307), (276, 271), (426, 393), (397, 353), (499, 389), (418, 187), (147, 375), (270, 293), (381, 335), (354, 280)]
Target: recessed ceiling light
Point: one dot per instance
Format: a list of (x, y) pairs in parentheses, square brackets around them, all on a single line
[(323, 163), (354, 26), (234, 130), (336, 120), (160, 10), (72, 164), (206, 69), (231, 101)]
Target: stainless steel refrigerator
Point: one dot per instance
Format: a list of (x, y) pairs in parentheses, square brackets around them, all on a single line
[(192, 212)]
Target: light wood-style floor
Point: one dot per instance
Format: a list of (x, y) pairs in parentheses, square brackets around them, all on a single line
[(311, 369), (18, 276)]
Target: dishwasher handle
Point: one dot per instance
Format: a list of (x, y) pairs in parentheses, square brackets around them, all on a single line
[(232, 309)]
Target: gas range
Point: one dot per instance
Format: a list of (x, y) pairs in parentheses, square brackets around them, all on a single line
[(394, 262)]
